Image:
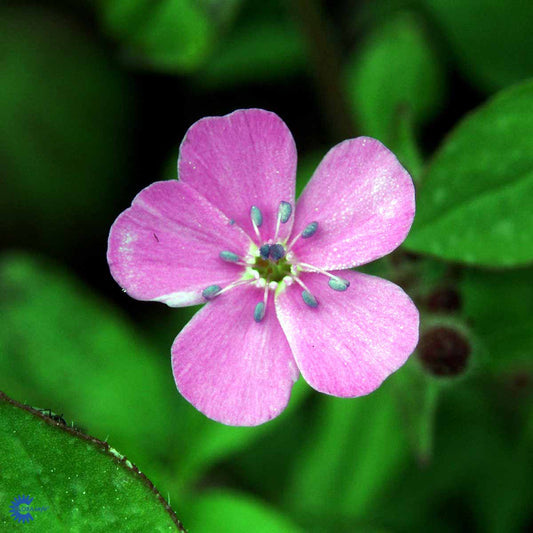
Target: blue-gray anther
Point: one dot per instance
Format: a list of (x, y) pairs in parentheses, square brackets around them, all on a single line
[(264, 251), (309, 299), (285, 210), (310, 230), (338, 284), (210, 292), (259, 312), (276, 252), (229, 256), (256, 215)]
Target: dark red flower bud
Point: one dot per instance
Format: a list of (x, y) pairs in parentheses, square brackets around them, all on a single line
[(444, 300), (444, 351)]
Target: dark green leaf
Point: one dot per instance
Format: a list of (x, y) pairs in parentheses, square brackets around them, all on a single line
[(492, 40), (78, 482), (499, 307), (255, 52), (476, 202), (65, 112), (168, 35)]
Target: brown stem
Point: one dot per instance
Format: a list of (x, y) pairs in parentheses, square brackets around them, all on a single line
[(325, 58)]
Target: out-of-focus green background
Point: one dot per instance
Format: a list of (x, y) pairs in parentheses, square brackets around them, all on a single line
[(95, 97)]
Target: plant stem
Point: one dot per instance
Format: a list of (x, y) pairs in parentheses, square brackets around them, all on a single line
[(325, 58)]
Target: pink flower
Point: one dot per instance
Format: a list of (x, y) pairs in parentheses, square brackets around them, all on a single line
[(281, 299)]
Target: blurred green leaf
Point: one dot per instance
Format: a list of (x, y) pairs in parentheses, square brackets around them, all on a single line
[(499, 307), (258, 51), (65, 349), (479, 478), (491, 40), (417, 395), (404, 144), (395, 70), (168, 35), (476, 201), (348, 460), (213, 442), (231, 512), (65, 112), (79, 480)]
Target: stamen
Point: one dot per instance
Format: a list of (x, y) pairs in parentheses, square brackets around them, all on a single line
[(230, 257), (284, 213), (257, 216), (260, 308), (336, 283), (264, 251), (259, 312), (276, 252), (210, 292), (309, 299), (310, 230), (257, 219), (215, 290)]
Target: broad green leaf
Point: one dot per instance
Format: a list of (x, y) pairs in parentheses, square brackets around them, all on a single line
[(231, 512), (396, 69), (66, 113), (499, 307), (78, 482), (167, 35), (491, 40), (354, 452), (475, 204)]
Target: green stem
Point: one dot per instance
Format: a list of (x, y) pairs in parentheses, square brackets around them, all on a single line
[(427, 425)]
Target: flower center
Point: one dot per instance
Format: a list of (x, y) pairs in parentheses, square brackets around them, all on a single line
[(271, 269), (271, 264)]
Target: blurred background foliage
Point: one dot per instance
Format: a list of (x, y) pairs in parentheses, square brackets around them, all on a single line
[(95, 97)]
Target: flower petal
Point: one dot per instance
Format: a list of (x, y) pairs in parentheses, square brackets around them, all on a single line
[(242, 159), (166, 246), (231, 368), (363, 201), (352, 340)]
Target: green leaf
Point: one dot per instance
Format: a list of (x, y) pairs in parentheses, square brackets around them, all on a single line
[(167, 35), (348, 460), (63, 348), (66, 113), (396, 69), (231, 512), (76, 481), (255, 52), (475, 204), (499, 307), (213, 442), (491, 40)]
